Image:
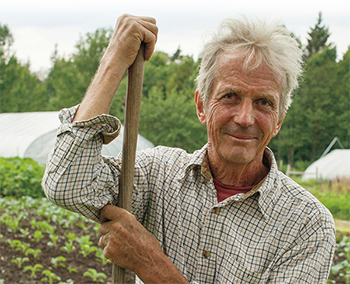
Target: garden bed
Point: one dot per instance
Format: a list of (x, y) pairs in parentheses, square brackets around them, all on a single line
[(40, 242)]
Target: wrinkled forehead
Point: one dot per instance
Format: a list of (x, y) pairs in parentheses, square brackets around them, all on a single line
[(246, 63)]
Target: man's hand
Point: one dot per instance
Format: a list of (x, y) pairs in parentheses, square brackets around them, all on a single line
[(125, 42), (129, 245), (121, 52)]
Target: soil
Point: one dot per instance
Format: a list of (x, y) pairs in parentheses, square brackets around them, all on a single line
[(10, 273)]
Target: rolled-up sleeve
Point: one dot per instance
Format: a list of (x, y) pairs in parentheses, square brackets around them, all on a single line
[(77, 177)]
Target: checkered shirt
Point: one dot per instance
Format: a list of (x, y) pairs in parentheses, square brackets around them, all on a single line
[(276, 233)]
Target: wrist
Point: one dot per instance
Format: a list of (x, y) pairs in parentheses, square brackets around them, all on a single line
[(162, 270)]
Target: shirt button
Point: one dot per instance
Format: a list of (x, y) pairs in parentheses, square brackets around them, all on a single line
[(216, 209), (206, 254)]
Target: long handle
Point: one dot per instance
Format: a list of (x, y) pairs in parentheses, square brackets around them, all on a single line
[(131, 125)]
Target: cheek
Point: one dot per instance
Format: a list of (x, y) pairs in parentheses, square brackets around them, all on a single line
[(214, 118), (268, 124)]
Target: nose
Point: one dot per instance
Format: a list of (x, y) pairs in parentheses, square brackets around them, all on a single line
[(245, 114)]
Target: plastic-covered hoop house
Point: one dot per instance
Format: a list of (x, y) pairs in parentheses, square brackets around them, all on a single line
[(33, 135), (334, 165)]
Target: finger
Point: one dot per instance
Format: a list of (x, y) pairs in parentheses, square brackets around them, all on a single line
[(111, 212), (149, 37), (150, 40), (105, 228), (101, 242), (148, 19)]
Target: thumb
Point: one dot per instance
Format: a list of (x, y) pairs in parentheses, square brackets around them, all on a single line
[(109, 213)]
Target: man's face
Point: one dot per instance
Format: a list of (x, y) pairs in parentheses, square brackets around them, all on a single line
[(242, 113)]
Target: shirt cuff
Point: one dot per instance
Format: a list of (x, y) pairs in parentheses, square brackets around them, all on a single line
[(109, 126)]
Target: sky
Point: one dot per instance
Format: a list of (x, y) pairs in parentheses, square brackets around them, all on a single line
[(38, 26)]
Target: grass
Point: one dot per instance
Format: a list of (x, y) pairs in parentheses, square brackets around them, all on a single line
[(342, 226), (335, 195)]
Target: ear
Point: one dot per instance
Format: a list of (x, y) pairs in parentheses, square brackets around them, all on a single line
[(200, 108), (279, 125)]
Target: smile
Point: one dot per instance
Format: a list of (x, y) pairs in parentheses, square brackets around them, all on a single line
[(242, 137)]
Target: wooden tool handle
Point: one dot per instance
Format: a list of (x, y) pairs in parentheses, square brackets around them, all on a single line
[(131, 126)]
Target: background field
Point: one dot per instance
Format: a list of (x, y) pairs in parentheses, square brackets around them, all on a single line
[(42, 243)]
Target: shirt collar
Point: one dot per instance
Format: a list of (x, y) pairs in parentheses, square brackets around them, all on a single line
[(269, 191), (267, 188)]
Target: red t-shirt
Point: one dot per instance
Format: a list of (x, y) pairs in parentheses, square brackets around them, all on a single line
[(224, 191)]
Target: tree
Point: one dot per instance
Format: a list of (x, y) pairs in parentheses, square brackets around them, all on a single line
[(6, 41), (318, 37), (20, 90), (70, 77)]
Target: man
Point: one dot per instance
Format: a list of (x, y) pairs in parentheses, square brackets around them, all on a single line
[(223, 214)]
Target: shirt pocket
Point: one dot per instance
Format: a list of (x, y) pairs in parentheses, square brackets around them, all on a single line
[(235, 272)]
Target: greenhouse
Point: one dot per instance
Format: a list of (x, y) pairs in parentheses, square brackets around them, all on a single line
[(33, 134), (334, 165)]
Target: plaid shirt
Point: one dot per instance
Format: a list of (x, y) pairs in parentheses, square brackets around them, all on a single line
[(276, 233)]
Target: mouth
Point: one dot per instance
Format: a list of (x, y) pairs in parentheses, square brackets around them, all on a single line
[(242, 137)]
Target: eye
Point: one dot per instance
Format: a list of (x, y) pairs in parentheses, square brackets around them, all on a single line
[(229, 96), (264, 102)]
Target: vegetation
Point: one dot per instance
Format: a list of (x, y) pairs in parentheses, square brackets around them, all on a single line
[(46, 243), (28, 258), (320, 110), (20, 177)]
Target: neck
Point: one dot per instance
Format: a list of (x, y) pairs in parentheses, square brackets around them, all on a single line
[(238, 174)]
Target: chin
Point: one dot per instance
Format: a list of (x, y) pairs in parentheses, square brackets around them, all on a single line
[(237, 155)]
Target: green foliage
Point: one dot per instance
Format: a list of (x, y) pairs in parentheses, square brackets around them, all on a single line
[(70, 77), (94, 275), (20, 177), (33, 269), (168, 113), (34, 252), (50, 276), (337, 201), (20, 89), (342, 268), (320, 110), (58, 261), (19, 261), (318, 37), (6, 40)]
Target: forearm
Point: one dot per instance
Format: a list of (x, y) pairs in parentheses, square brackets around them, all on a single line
[(99, 95), (72, 182), (163, 271), (121, 52)]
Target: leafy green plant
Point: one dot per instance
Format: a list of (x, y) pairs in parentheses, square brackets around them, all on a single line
[(19, 261), (68, 247), (43, 226), (18, 245), (71, 236), (58, 261), (71, 269), (85, 250), (50, 276), (24, 232), (54, 239), (33, 252), (33, 269), (13, 223), (38, 235), (100, 257), (14, 243), (20, 177), (94, 275)]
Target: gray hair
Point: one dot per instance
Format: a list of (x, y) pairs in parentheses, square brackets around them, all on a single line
[(258, 42)]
